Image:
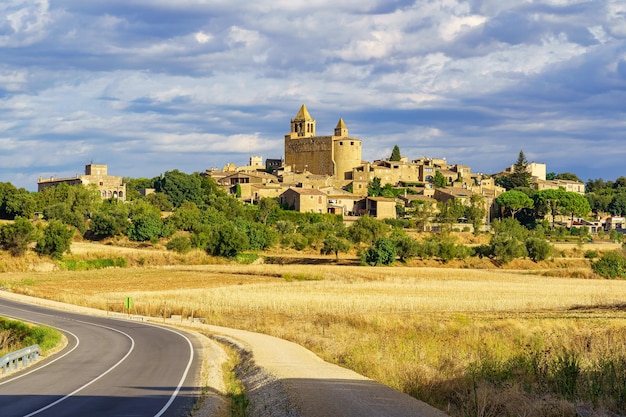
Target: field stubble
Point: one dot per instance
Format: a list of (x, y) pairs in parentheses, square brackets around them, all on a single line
[(471, 342)]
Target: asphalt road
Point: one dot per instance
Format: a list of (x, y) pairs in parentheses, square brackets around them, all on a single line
[(109, 368)]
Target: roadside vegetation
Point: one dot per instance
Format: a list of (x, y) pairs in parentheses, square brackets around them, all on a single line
[(15, 335)]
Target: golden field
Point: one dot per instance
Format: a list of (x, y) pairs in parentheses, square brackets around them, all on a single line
[(473, 342)]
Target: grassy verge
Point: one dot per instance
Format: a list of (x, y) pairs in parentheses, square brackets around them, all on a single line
[(235, 391), (15, 335)]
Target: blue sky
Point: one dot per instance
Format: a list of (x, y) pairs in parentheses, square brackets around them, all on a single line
[(148, 86)]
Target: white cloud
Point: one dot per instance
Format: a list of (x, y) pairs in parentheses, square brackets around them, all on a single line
[(202, 37), (25, 21)]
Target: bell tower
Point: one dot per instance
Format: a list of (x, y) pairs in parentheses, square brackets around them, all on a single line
[(341, 129), (303, 125)]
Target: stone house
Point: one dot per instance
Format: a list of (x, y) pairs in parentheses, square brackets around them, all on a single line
[(109, 186), (304, 200), (377, 207)]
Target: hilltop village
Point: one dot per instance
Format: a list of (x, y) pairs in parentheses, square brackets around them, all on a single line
[(326, 174)]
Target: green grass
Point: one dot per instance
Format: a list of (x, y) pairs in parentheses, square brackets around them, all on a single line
[(85, 265), (17, 335)]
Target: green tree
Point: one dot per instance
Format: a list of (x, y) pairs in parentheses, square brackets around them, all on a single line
[(374, 188), (611, 265), (15, 237), (334, 244), (367, 229), (136, 186), (186, 217), (268, 210), (406, 246), (513, 201), (617, 206), (439, 180), (179, 244), (19, 203), (568, 176), (111, 219), (382, 253), (260, 236), (227, 241), (508, 241), (55, 240), (146, 223), (549, 202), (395, 154), (520, 177), (476, 211), (180, 187), (574, 204), (449, 213), (599, 201), (538, 248), (160, 201)]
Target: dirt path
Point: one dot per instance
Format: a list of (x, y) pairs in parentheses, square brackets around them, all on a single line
[(284, 379)]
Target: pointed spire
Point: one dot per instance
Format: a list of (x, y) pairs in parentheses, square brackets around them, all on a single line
[(341, 129), (303, 114), (303, 125)]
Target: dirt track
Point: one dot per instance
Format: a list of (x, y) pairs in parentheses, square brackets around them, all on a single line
[(285, 379)]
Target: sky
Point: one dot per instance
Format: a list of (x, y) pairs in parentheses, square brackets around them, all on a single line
[(149, 86)]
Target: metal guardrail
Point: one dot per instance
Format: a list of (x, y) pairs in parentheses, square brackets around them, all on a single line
[(10, 361)]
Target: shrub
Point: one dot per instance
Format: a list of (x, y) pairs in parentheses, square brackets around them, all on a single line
[(591, 254), (15, 237), (179, 244), (538, 249), (383, 252), (611, 265), (56, 240), (228, 241)]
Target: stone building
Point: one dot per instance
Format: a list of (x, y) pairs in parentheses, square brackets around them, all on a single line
[(304, 200), (334, 155), (109, 186)]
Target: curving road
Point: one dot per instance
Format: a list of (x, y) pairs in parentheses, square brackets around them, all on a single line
[(109, 368)]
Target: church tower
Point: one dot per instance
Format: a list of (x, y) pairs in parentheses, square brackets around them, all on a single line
[(341, 129), (303, 125), (334, 155)]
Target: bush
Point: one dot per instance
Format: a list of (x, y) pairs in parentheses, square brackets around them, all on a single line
[(611, 265), (383, 252), (179, 244), (228, 241), (591, 254), (15, 237), (56, 240), (538, 249)]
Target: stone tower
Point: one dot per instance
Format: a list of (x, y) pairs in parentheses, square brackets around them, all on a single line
[(303, 125), (333, 155)]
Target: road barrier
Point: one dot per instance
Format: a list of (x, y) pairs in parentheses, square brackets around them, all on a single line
[(10, 361)]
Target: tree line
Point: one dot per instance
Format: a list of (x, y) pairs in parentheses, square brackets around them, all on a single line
[(190, 211)]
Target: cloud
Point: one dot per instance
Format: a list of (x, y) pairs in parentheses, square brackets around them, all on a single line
[(150, 85)]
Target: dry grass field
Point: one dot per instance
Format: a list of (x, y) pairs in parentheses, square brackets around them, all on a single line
[(473, 342)]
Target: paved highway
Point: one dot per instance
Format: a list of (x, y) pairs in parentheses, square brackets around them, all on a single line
[(109, 368)]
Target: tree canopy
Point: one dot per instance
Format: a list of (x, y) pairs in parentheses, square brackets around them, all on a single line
[(395, 154)]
